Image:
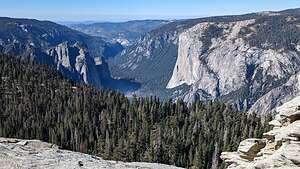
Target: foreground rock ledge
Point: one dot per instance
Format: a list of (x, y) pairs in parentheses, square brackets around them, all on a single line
[(35, 154), (280, 147)]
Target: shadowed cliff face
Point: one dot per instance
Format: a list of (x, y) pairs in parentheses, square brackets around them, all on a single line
[(244, 60), (76, 55)]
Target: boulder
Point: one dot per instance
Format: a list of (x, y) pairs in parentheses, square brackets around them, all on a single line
[(249, 148), (233, 159)]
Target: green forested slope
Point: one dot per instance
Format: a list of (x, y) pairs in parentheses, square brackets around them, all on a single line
[(38, 103)]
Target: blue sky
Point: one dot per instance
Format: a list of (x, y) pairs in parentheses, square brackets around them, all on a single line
[(115, 10)]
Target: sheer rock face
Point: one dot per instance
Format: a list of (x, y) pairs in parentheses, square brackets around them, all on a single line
[(34, 154), (75, 62), (280, 147), (217, 61), (218, 68)]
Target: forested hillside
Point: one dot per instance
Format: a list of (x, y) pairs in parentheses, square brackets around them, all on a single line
[(38, 103)]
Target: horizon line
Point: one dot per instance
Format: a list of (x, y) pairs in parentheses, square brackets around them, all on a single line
[(127, 18)]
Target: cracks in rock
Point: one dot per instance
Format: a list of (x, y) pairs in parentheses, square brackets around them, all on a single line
[(215, 75)]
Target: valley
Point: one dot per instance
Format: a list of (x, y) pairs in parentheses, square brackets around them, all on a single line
[(215, 58), (149, 90)]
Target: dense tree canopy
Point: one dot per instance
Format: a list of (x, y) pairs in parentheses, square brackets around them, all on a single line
[(38, 103)]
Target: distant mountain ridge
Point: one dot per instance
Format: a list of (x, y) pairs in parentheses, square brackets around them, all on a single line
[(251, 60), (125, 33)]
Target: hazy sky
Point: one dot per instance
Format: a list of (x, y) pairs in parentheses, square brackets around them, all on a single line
[(114, 10)]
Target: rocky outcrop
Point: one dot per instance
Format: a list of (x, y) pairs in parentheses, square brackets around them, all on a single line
[(280, 147), (35, 154), (75, 62)]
